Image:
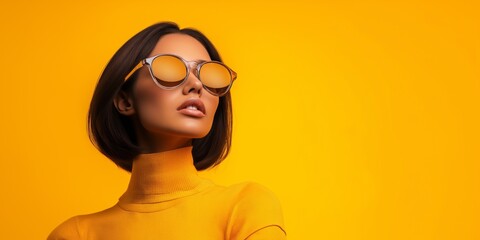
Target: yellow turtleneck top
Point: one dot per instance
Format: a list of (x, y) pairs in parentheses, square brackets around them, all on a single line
[(166, 199)]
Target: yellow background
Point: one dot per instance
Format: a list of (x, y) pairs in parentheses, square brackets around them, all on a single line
[(362, 116)]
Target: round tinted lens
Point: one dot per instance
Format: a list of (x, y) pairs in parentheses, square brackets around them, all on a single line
[(216, 77), (169, 71)]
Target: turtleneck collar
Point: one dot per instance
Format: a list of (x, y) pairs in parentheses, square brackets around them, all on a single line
[(162, 176)]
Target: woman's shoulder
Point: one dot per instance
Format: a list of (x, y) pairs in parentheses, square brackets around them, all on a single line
[(73, 227), (252, 196), (255, 207), (66, 230), (246, 191), (247, 197)]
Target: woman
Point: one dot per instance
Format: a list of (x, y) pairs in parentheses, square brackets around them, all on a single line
[(162, 110)]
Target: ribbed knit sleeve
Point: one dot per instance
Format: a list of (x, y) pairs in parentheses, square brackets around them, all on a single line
[(257, 214), (67, 230)]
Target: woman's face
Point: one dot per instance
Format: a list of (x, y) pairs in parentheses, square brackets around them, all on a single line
[(159, 111)]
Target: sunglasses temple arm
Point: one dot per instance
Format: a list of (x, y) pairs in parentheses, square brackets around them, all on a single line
[(139, 65), (234, 75)]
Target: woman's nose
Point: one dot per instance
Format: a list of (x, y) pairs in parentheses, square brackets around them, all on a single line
[(192, 84)]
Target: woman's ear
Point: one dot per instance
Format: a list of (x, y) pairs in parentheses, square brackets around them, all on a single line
[(124, 103)]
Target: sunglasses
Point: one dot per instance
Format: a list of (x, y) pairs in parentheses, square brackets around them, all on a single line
[(169, 71)]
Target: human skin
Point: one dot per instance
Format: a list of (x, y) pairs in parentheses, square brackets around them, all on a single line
[(158, 125)]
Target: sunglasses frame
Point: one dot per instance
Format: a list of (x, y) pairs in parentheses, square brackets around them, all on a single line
[(188, 65)]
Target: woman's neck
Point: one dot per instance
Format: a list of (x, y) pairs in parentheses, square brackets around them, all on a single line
[(155, 143), (162, 173)]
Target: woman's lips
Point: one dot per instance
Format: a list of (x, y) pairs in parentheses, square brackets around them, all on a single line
[(192, 107), (191, 112)]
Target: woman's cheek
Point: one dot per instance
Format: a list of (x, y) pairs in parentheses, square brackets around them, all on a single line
[(145, 96), (215, 101), (149, 107)]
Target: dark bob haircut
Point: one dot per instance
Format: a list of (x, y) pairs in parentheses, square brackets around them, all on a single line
[(113, 134)]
